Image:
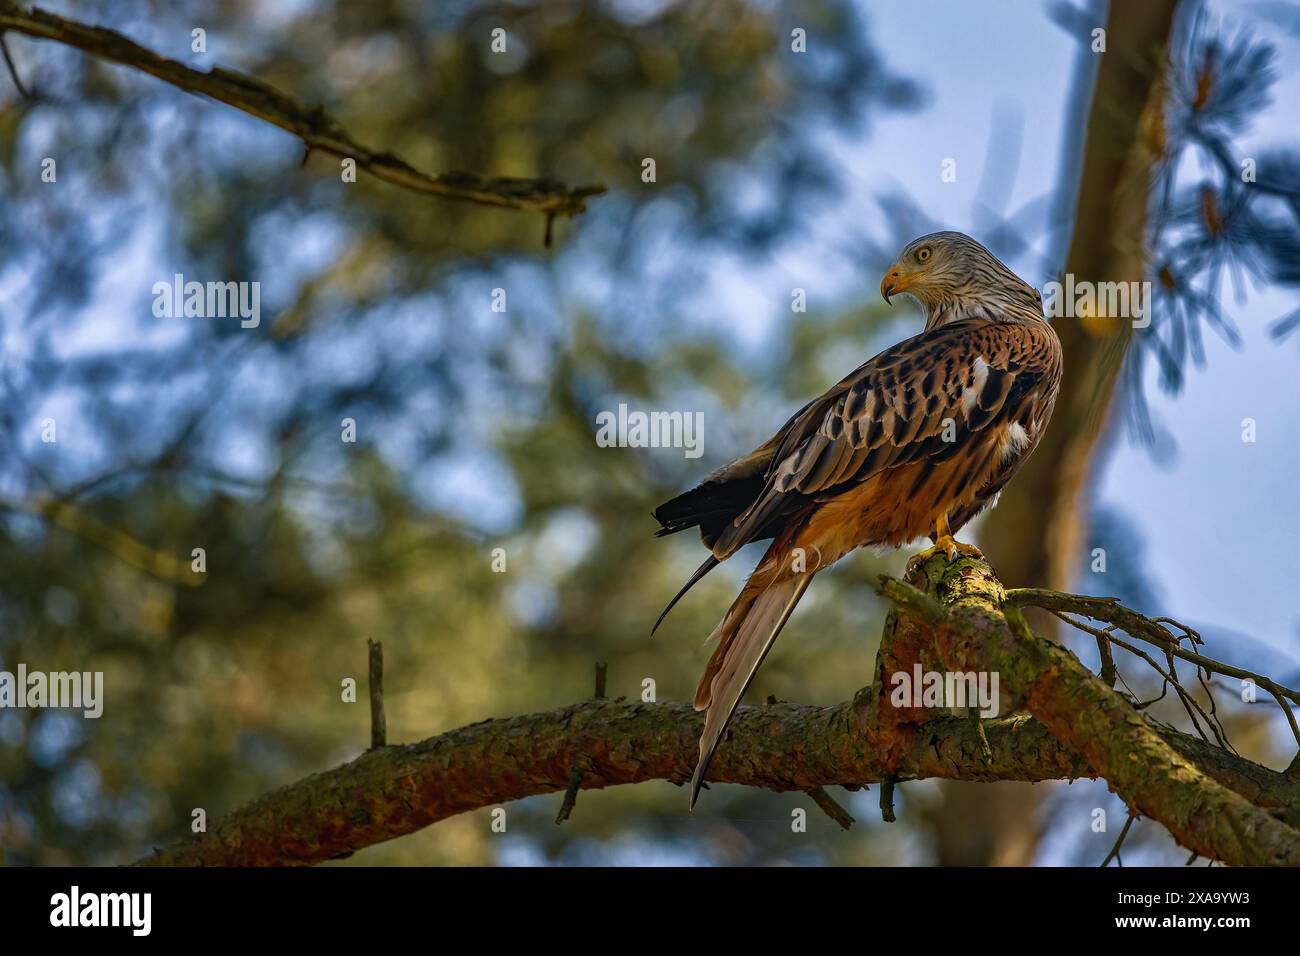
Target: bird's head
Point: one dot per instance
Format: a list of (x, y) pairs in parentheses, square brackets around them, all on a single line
[(953, 276)]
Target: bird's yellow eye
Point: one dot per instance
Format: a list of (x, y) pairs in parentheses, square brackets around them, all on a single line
[(923, 254)]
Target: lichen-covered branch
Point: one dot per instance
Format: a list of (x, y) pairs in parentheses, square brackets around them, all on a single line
[(1204, 813), (313, 127), (1202, 793)]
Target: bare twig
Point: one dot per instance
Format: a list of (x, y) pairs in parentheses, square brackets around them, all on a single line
[(830, 807), (1170, 678), (975, 633), (1114, 851), (575, 775), (378, 722), (1154, 632), (887, 784), (570, 796)]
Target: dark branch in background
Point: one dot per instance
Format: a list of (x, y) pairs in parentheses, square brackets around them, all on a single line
[(1211, 800), (129, 549), (316, 130)]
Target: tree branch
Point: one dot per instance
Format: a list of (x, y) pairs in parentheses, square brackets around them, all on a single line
[(1153, 631), (1154, 778), (1203, 794), (316, 130)]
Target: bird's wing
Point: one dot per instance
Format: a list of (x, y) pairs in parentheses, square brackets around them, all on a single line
[(728, 491), (894, 410)]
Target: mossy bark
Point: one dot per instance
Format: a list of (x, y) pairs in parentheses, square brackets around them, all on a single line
[(949, 617)]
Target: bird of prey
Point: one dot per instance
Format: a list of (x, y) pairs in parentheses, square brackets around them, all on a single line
[(913, 443)]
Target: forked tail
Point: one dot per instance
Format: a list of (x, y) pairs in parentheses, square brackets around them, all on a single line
[(744, 637)]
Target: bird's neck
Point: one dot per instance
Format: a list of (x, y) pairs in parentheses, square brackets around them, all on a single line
[(1017, 305)]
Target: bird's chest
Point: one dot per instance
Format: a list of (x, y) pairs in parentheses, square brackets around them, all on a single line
[(903, 504)]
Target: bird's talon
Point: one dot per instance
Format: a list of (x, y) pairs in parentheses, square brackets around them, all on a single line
[(950, 547)]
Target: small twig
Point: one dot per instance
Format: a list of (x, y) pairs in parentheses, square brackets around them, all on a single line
[(1189, 703), (570, 796), (1170, 679), (1143, 628), (831, 808), (13, 70), (887, 784), (575, 778), (378, 722), (1114, 851), (1109, 675), (985, 750)]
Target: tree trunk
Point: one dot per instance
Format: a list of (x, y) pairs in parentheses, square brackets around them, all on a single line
[(1035, 536)]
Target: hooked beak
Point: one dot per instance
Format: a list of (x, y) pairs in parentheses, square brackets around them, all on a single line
[(894, 282)]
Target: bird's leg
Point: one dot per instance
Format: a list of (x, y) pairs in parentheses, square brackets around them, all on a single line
[(950, 546), (945, 542)]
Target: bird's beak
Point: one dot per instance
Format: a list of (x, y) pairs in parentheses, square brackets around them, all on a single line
[(895, 282)]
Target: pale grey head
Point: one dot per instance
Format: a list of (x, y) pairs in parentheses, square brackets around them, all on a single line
[(954, 277)]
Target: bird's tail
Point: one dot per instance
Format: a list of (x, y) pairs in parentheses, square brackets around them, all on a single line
[(743, 638)]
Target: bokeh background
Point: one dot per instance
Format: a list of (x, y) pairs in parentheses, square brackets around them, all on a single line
[(775, 171)]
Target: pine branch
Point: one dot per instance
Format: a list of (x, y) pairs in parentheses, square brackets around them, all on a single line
[(1077, 727)]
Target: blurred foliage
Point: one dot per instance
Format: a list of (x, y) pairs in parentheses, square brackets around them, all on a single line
[(475, 427), (1220, 213)]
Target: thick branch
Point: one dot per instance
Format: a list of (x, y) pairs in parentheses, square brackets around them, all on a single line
[(388, 793), (316, 130)]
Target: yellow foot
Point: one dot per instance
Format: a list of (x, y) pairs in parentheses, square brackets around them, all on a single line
[(949, 545)]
